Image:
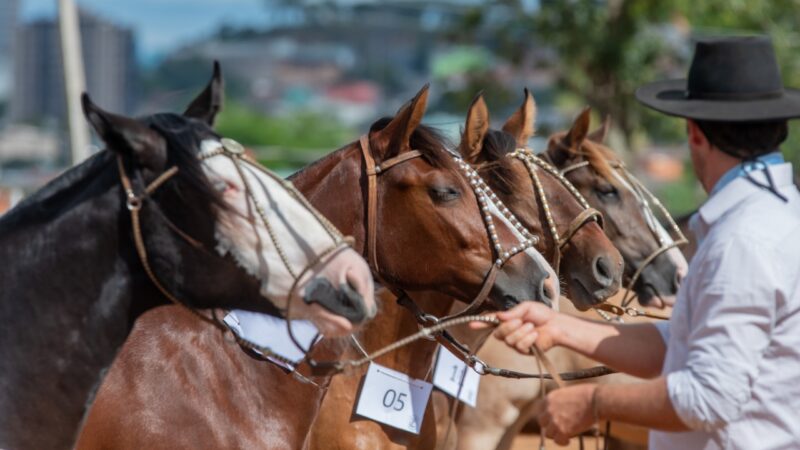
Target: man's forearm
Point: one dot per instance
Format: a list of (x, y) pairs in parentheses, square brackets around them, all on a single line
[(645, 404), (636, 349)]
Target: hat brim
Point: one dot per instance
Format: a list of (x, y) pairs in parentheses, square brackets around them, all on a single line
[(669, 97)]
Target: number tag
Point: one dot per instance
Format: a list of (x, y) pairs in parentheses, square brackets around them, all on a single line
[(393, 398), (271, 332), (448, 374)]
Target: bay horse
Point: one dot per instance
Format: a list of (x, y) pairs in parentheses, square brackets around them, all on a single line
[(430, 234), (142, 222), (592, 265), (505, 404)]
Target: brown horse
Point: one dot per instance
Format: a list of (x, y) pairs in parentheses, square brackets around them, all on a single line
[(505, 404), (157, 216), (588, 257), (432, 236)]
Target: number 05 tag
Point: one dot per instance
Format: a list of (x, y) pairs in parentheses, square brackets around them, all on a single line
[(393, 398)]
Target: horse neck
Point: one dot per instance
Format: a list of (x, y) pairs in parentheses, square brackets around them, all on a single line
[(334, 185), (65, 305)]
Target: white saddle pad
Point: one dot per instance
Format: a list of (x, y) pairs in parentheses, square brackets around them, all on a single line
[(269, 331)]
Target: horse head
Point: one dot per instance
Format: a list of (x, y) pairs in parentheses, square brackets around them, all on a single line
[(433, 232), (587, 261), (218, 230), (630, 221)]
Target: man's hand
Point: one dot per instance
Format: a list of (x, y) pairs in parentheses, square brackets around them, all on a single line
[(566, 412), (526, 324)]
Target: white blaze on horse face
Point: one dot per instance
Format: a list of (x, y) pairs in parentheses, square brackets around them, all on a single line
[(530, 252), (297, 232), (674, 254)]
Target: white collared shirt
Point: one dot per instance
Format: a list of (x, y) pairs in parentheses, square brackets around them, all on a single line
[(733, 343)]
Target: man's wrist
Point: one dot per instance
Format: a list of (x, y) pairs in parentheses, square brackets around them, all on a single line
[(559, 327)]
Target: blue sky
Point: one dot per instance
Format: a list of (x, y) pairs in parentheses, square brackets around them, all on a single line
[(162, 25)]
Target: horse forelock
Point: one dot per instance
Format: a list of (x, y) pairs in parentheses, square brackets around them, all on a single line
[(495, 165), (428, 141), (596, 154), (184, 137)]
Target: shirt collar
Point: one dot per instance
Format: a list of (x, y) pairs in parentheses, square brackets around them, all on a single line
[(736, 189), (769, 159)]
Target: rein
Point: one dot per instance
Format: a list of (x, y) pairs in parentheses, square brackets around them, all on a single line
[(589, 214)]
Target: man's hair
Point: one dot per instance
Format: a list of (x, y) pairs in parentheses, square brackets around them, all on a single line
[(745, 140)]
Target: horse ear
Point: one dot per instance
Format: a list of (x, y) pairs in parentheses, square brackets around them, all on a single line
[(395, 138), (475, 129), (127, 136), (599, 135), (209, 103), (521, 123), (580, 129)]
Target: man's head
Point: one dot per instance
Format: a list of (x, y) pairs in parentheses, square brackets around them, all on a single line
[(718, 146), (733, 100)]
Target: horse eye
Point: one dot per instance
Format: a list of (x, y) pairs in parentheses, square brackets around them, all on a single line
[(606, 192), (445, 194)]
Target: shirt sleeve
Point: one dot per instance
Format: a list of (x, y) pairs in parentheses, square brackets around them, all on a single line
[(663, 329), (732, 317)]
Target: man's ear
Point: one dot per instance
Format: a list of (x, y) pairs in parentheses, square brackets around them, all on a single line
[(395, 138), (601, 134), (209, 102), (521, 124), (475, 130), (127, 136), (580, 129), (695, 134)]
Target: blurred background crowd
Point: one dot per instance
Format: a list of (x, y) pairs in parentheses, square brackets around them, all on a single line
[(305, 77)]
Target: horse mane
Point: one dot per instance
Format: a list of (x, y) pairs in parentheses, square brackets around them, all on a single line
[(83, 181), (59, 194), (595, 153), (496, 167)]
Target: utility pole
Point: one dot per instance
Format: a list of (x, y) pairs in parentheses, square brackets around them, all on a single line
[(74, 79)]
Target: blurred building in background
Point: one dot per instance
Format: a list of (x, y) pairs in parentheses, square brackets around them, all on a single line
[(109, 61), (8, 22)]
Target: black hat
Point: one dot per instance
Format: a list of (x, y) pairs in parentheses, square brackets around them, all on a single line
[(731, 79)]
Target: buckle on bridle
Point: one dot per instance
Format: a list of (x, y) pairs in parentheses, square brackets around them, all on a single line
[(477, 364), (132, 202)]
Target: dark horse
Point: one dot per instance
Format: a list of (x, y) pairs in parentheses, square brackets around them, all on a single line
[(73, 281), (431, 235)]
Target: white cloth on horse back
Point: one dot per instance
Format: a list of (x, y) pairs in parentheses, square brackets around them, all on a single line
[(733, 343)]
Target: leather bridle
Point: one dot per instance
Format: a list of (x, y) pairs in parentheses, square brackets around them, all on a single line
[(489, 205), (235, 152), (533, 163), (647, 201)]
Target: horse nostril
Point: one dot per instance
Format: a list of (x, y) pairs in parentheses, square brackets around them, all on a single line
[(602, 272), (676, 283)]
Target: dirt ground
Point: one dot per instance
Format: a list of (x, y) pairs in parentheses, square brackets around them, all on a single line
[(531, 442)]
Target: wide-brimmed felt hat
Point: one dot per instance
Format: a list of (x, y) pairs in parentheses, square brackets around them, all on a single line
[(731, 79)]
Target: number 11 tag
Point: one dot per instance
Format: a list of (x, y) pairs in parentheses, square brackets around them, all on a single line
[(454, 377), (393, 398)]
